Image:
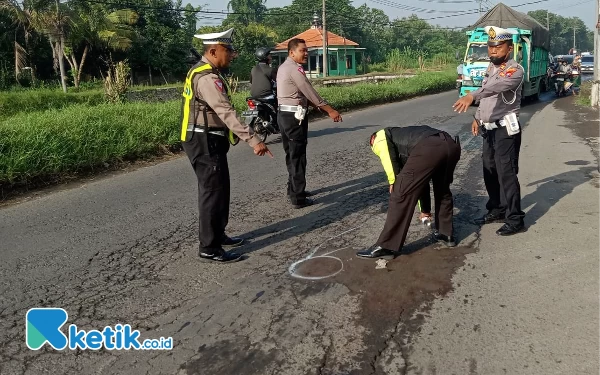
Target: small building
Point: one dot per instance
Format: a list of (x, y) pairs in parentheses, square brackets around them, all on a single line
[(340, 50)]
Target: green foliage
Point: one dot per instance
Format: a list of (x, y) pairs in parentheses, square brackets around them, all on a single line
[(584, 97), (561, 32), (247, 39), (83, 137), (43, 145), (117, 82), (28, 101)]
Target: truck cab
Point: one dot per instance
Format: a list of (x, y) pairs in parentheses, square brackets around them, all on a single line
[(534, 61)]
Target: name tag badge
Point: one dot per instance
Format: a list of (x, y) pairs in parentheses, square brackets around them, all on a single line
[(512, 124)]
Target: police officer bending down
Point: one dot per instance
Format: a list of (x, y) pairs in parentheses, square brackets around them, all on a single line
[(497, 117), (208, 126), (294, 93), (411, 156)]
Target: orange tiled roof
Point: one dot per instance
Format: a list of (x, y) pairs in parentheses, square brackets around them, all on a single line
[(314, 38)]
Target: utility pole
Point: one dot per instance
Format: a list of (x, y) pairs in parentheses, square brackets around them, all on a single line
[(574, 28), (548, 20), (596, 83), (325, 56)]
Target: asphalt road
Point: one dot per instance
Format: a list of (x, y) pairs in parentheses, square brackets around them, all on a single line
[(122, 249)]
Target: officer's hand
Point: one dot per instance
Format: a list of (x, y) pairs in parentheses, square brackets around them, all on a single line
[(335, 116), (475, 128), (463, 103), (391, 188), (261, 149)]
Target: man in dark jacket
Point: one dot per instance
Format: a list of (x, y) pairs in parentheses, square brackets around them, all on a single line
[(263, 77), (414, 155)]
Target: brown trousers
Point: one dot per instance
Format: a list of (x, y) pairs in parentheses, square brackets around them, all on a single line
[(435, 158)]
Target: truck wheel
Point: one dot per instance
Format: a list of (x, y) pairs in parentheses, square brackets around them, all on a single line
[(536, 96)]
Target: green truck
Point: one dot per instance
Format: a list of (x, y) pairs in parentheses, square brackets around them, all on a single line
[(531, 45)]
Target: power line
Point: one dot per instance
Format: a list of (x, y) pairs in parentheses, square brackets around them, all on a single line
[(137, 6), (411, 8)]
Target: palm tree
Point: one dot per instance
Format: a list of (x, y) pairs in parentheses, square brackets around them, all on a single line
[(54, 22), (114, 31), (21, 15)]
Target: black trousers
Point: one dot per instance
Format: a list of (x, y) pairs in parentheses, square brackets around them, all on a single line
[(208, 155), (500, 169), (294, 136), (435, 158)]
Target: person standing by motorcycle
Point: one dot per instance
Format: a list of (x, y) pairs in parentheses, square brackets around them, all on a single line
[(263, 77)]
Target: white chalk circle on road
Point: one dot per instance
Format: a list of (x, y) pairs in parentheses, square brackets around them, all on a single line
[(330, 265)]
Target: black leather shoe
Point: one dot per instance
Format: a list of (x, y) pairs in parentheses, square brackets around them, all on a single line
[(374, 251), (220, 257), (230, 242), (307, 202), (444, 240), (489, 218), (510, 229)]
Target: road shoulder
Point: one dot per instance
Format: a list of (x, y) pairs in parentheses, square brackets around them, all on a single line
[(528, 304)]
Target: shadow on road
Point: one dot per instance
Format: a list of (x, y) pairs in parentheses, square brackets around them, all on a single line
[(354, 196), (551, 190)]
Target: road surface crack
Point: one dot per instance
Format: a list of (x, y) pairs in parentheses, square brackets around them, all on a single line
[(386, 345), (325, 358)]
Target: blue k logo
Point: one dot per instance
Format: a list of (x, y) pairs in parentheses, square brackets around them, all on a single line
[(43, 326)]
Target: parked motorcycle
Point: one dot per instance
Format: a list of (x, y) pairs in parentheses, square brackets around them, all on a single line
[(261, 116)]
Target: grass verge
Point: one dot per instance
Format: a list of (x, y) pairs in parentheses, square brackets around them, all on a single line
[(26, 101), (584, 97), (49, 145)]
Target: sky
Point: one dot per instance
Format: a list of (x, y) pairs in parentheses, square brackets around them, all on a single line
[(583, 9)]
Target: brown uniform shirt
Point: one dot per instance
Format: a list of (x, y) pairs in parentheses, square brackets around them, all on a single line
[(506, 81), (293, 88), (212, 90)]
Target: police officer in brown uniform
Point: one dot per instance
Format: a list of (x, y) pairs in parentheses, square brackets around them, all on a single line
[(497, 118), (411, 156), (209, 125), (294, 94)]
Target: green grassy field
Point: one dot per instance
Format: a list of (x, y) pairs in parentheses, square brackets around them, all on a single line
[(81, 133)]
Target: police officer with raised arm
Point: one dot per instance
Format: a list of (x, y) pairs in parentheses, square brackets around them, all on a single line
[(294, 94), (497, 120), (209, 125)]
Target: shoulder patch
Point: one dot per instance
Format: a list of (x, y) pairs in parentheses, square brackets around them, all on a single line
[(301, 70), (219, 85)]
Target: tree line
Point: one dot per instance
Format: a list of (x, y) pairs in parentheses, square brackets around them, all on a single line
[(75, 41)]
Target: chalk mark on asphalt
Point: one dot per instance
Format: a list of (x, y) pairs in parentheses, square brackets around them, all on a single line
[(292, 269)]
